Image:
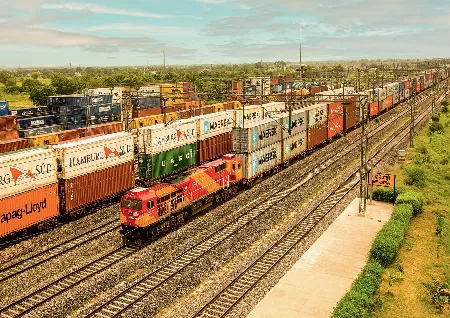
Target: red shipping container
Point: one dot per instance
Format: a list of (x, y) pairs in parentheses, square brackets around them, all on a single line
[(317, 134), (407, 84), (8, 122), (351, 116), (207, 110), (422, 86), (388, 102), (373, 109), (66, 135), (214, 147), (335, 110), (274, 81), (23, 210), (418, 87), (315, 90), (6, 135), (149, 112), (82, 191), (335, 126), (13, 145)]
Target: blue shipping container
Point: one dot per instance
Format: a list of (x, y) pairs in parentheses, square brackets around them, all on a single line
[(27, 123), (104, 110), (26, 112), (4, 108)]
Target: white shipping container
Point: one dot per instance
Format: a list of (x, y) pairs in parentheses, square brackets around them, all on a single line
[(213, 124), (294, 145), (260, 161), (406, 93), (395, 98), (299, 122), (381, 93), (149, 90), (26, 170), (159, 138), (256, 135), (85, 156), (247, 115), (273, 108), (318, 113)]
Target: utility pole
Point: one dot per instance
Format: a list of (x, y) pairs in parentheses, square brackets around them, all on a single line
[(300, 61), (411, 127), (164, 59), (362, 172)]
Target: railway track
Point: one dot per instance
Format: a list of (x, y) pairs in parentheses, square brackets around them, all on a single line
[(45, 294), (57, 250), (151, 281), (237, 289)]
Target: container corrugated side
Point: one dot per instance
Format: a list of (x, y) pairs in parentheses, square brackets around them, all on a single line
[(260, 161), (13, 145), (317, 134), (256, 135), (167, 162), (247, 115), (214, 147), (83, 190), (294, 145), (317, 114), (213, 124), (23, 210), (273, 108), (352, 115), (373, 109), (335, 126), (158, 138), (88, 155), (26, 170), (299, 122)]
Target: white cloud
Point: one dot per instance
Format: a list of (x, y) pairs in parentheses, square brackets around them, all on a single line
[(153, 29), (211, 1), (102, 10)]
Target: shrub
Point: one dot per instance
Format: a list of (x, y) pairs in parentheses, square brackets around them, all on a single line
[(445, 109), (415, 175), (386, 194), (415, 199), (402, 212), (435, 127), (388, 241), (358, 302), (435, 117)]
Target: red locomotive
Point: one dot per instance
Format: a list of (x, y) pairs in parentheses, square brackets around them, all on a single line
[(145, 212)]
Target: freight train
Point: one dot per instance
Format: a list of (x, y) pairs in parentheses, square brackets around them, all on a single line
[(261, 145), (229, 148)]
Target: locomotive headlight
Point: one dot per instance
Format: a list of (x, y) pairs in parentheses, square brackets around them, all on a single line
[(130, 213), (136, 213)]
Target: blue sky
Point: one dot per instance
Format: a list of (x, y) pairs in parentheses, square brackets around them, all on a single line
[(100, 32)]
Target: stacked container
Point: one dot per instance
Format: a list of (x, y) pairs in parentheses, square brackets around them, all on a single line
[(93, 169), (381, 92), (165, 150), (317, 124), (294, 144), (8, 128), (246, 115), (214, 135), (28, 189), (335, 119), (4, 108)]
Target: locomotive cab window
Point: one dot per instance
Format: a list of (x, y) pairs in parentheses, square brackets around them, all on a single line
[(135, 205), (221, 167), (150, 205)]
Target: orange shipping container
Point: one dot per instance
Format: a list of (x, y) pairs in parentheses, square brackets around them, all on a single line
[(81, 191), (389, 100), (8, 122), (23, 210), (13, 145), (6, 135)]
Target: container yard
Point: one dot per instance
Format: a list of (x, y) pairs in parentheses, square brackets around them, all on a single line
[(147, 186)]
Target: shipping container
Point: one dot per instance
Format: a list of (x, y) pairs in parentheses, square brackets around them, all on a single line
[(149, 89), (407, 92), (246, 115), (39, 131), (28, 208), (27, 123), (214, 147), (335, 110), (26, 170), (317, 134), (299, 122), (13, 145), (294, 145), (335, 126), (389, 100), (167, 162), (407, 84), (8, 122), (256, 135), (395, 98), (104, 110), (274, 108), (84, 190), (4, 108), (160, 138), (373, 109), (147, 112), (146, 102), (352, 115), (6, 135), (41, 140), (317, 113), (87, 155), (68, 135), (381, 94), (213, 124), (260, 161), (422, 87), (26, 112)]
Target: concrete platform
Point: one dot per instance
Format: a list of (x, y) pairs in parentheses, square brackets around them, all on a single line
[(320, 278)]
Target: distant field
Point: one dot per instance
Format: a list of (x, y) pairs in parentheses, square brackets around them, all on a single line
[(16, 100)]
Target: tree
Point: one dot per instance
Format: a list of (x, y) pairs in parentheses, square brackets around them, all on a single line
[(35, 75), (11, 81), (63, 84), (39, 94), (4, 77), (28, 84)]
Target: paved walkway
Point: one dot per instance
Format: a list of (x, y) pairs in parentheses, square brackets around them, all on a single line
[(320, 278)]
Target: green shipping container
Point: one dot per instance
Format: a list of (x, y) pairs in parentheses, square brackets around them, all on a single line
[(167, 162)]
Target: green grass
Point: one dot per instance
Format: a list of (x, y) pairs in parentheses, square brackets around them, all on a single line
[(424, 255), (16, 100)]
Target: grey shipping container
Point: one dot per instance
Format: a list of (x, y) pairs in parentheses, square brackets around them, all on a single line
[(256, 135), (39, 131)]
